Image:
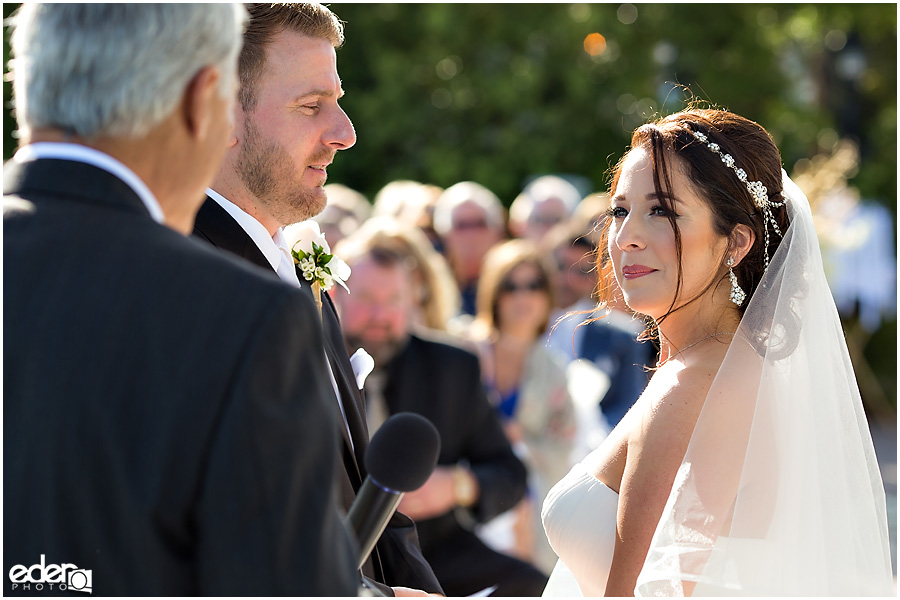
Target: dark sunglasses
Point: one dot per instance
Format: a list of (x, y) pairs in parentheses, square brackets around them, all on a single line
[(509, 287), (469, 225)]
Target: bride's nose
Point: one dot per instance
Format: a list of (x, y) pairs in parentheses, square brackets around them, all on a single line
[(630, 235)]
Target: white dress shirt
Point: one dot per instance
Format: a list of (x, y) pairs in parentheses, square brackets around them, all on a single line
[(275, 249), (101, 160)]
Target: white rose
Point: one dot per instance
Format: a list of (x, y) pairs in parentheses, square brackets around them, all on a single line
[(300, 236)]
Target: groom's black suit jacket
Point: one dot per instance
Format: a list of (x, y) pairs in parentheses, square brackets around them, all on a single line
[(153, 433), (397, 559)]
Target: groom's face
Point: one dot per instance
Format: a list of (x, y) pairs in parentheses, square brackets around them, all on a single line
[(376, 314), (287, 140)]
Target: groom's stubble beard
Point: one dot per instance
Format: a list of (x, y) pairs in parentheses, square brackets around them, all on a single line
[(270, 175)]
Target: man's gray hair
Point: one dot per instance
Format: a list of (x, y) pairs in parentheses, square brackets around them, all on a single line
[(543, 188), (460, 193), (116, 70)]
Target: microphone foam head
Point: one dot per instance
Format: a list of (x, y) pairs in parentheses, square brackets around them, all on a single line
[(403, 452)]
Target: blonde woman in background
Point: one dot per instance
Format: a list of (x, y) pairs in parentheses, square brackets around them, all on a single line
[(524, 380)]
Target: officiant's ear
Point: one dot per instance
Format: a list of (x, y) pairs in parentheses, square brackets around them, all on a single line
[(740, 242), (201, 101)]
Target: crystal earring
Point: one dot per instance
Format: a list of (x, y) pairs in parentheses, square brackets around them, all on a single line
[(737, 294)]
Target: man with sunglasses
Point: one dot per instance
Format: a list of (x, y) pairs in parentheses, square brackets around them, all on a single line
[(470, 220)]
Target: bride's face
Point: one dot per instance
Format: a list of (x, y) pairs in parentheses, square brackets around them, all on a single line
[(642, 243)]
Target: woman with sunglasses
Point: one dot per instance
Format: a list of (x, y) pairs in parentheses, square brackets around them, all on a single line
[(525, 382)]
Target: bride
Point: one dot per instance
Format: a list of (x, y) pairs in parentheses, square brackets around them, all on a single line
[(746, 467)]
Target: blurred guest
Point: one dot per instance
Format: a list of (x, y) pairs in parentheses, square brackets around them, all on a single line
[(590, 214), (543, 203), (526, 383), (470, 220), (436, 299), (478, 475), (422, 214), (165, 429), (346, 210), (411, 202), (609, 343), (392, 199)]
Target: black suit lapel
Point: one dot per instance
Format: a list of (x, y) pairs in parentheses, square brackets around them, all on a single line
[(214, 225), (351, 397)]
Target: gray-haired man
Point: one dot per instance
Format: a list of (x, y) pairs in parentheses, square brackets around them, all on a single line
[(165, 428)]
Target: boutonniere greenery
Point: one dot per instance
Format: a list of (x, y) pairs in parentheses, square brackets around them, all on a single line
[(313, 257)]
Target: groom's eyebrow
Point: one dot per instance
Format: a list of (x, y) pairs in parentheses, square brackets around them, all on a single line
[(322, 93)]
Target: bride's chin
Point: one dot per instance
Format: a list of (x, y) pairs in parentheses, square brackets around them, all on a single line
[(644, 308)]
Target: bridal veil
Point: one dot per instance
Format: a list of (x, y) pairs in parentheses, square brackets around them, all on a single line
[(779, 492)]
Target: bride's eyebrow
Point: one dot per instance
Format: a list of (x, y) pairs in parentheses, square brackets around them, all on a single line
[(650, 196), (667, 196)]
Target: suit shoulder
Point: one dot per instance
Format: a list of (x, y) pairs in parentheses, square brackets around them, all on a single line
[(16, 206), (195, 264)]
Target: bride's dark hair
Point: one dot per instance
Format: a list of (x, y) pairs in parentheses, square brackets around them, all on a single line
[(727, 196)]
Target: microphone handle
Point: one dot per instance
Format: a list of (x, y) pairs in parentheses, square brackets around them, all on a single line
[(369, 515)]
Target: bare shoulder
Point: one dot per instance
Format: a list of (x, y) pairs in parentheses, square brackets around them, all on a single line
[(674, 398), (659, 426)]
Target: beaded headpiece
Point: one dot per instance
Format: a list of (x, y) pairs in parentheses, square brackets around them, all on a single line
[(757, 190)]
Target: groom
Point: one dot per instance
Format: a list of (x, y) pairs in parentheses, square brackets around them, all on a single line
[(288, 129)]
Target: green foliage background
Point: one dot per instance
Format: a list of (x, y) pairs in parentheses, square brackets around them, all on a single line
[(498, 93)]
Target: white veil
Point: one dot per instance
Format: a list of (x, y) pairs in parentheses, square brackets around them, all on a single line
[(779, 492)]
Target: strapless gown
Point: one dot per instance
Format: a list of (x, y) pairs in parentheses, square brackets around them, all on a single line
[(579, 516)]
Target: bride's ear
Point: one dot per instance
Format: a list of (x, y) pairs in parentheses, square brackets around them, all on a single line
[(742, 238)]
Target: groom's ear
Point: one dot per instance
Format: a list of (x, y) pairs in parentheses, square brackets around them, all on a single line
[(742, 238), (238, 119)]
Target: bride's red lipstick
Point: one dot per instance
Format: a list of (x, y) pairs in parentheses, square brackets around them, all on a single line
[(635, 271)]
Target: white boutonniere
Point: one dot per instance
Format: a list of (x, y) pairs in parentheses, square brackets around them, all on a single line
[(314, 258)]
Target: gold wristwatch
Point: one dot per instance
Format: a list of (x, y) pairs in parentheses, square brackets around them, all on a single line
[(465, 487)]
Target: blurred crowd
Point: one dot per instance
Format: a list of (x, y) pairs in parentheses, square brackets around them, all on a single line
[(517, 288)]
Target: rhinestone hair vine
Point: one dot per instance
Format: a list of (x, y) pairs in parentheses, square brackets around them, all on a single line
[(757, 190)]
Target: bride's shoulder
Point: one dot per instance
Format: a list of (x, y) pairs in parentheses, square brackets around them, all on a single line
[(676, 393)]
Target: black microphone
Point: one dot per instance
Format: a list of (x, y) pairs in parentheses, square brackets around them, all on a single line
[(400, 458)]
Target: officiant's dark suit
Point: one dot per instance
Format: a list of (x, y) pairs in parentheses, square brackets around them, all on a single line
[(165, 425), (165, 430), (397, 559)]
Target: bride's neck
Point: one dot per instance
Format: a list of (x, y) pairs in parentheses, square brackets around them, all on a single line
[(693, 323)]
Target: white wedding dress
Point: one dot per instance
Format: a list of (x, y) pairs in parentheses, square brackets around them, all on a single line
[(579, 516), (779, 492)]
